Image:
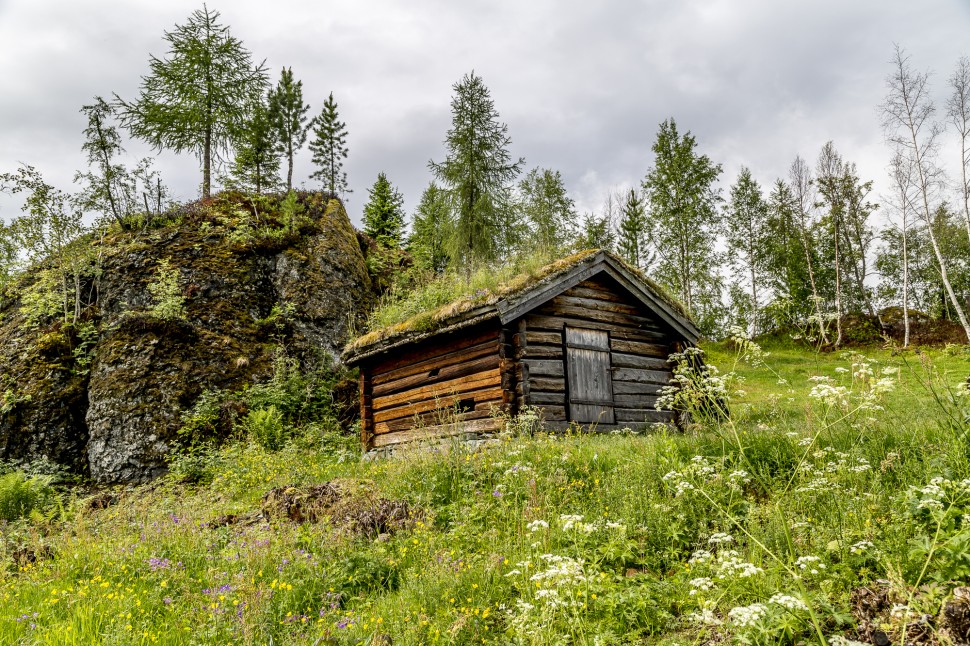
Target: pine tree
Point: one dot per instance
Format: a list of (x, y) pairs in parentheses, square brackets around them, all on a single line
[(431, 230), (632, 237), (384, 213), (288, 116), (198, 98), (477, 171), (683, 202), (547, 210), (329, 147), (257, 164)]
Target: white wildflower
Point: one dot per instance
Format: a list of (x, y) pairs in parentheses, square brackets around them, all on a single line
[(861, 547), (700, 557), (810, 564), (537, 525), (720, 538), (745, 616), (788, 602), (704, 617), (570, 520), (701, 584)]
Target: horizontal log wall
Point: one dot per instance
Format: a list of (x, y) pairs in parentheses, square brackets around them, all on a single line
[(444, 386), (639, 347)]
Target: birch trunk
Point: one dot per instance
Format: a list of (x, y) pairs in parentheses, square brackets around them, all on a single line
[(909, 108)]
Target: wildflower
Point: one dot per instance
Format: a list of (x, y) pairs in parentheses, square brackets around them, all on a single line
[(839, 640), (720, 538), (733, 567), (788, 602), (570, 520), (536, 525), (745, 616), (158, 564), (861, 547), (700, 557), (700, 584), (812, 564), (704, 617)]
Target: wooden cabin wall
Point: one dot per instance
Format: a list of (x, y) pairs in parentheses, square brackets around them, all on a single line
[(412, 394), (639, 347)]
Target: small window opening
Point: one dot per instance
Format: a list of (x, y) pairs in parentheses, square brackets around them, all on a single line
[(434, 372), (465, 405)]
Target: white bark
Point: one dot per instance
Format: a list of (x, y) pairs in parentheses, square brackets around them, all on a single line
[(908, 112)]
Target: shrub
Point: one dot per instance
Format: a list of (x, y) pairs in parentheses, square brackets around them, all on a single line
[(265, 427), (169, 301), (20, 495)]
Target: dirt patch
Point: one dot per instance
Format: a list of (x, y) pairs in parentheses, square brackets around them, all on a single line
[(883, 616), (923, 330), (955, 620), (351, 504)]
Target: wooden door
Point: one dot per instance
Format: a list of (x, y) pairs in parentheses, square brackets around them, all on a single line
[(589, 380)]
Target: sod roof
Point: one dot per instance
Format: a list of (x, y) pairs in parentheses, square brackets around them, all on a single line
[(520, 294)]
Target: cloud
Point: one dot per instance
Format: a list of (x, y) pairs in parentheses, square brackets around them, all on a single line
[(581, 85)]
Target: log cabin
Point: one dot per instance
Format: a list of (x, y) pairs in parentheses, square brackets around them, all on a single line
[(584, 340)]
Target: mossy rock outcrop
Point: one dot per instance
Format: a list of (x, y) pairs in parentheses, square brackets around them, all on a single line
[(252, 278)]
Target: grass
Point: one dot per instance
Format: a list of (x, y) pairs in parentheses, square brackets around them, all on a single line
[(759, 530), (426, 302)]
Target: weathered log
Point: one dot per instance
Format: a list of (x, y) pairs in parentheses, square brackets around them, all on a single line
[(445, 373), (623, 360), (442, 430), (544, 367), (473, 400), (455, 386), (638, 375)]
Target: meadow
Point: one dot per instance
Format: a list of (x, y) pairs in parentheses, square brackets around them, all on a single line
[(831, 506)]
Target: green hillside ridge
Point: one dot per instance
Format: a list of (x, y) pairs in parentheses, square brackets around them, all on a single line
[(832, 506)]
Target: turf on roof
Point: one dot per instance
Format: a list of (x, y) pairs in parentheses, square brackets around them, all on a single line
[(482, 301)]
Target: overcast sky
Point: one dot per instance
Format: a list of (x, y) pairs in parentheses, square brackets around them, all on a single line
[(582, 85)]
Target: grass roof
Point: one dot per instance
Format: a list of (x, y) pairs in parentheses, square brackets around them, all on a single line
[(458, 296)]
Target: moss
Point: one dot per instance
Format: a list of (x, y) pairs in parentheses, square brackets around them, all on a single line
[(468, 292)]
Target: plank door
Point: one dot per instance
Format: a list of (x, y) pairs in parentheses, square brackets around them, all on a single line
[(589, 381)]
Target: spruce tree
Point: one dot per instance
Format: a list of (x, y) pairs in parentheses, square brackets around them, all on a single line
[(477, 172), (632, 237), (329, 147), (257, 164), (288, 115), (197, 99), (384, 213), (430, 230)]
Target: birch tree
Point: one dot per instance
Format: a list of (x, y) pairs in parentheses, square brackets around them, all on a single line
[(683, 203), (746, 226), (803, 191), (911, 130), (901, 175)]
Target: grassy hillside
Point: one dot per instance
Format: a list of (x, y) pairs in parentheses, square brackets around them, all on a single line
[(824, 507)]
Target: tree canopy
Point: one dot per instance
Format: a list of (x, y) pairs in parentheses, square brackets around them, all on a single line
[(329, 147), (198, 98), (477, 171)]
